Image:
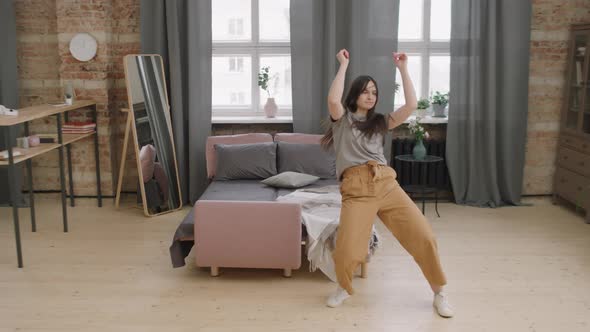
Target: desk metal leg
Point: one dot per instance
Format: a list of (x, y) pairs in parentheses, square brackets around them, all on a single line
[(62, 176), (70, 176), (13, 194), (96, 157), (31, 193)]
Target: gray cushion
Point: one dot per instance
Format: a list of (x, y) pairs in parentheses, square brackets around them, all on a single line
[(239, 190), (246, 161), (290, 180), (310, 159)]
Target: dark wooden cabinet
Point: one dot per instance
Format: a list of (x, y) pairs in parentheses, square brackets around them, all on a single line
[(572, 177)]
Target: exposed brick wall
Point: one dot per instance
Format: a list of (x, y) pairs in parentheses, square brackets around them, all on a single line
[(126, 29), (91, 80), (38, 60), (44, 29), (549, 46), (45, 26)]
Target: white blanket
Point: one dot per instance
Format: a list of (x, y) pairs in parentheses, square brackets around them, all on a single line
[(320, 213)]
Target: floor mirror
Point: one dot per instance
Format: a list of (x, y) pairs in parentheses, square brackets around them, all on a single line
[(152, 134)]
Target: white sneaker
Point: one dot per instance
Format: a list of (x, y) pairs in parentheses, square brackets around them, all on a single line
[(337, 297), (442, 305)]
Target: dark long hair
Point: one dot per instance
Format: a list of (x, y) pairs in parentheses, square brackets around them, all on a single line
[(375, 122)]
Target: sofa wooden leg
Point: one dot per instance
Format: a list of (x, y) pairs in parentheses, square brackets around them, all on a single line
[(214, 271), (287, 273), (364, 270)]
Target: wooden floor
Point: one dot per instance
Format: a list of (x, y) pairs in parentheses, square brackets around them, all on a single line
[(509, 269)]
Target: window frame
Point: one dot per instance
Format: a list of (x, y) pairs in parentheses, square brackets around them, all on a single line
[(255, 48), (425, 48)]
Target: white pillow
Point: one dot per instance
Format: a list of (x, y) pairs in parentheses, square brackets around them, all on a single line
[(290, 180)]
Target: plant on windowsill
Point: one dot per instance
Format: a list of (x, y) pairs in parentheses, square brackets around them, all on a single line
[(419, 151), (270, 108), (423, 105), (439, 102)]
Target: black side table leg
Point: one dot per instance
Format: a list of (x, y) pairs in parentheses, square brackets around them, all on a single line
[(423, 201), (423, 188), (436, 202)]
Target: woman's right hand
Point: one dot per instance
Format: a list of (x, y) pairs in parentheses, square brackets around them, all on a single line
[(342, 56)]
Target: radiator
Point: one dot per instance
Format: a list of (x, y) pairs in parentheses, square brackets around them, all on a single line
[(437, 174)]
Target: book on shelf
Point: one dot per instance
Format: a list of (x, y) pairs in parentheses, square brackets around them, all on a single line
[(77, 131), (79, 125), (47, 138)]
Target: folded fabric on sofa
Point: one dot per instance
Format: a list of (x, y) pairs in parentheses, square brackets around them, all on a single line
[(320, 214)]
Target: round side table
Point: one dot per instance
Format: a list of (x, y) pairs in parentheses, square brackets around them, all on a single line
[(422, 188)]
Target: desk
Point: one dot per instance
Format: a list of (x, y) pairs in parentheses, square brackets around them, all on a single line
[(8, 125), (422, 188)]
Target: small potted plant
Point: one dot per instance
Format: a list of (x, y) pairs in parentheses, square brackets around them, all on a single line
[(69, 98), (270, 108), (423, 105), (439, 102), (69, 93), (419, 151)]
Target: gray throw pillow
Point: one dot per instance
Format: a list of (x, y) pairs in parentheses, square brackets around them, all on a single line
[(246, 161), (306, 158), (290, 180)]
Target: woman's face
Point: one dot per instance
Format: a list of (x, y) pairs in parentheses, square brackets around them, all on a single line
[(368, 97)]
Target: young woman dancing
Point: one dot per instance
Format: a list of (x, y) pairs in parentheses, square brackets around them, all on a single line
[(369, 187)]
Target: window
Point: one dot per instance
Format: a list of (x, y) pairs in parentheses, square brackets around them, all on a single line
[(424, 34), (236, 64), (236, 27), (249, 35)]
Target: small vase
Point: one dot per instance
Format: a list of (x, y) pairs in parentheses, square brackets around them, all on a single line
[(270, 108), (438, 110), (419, 150), (69, 101)]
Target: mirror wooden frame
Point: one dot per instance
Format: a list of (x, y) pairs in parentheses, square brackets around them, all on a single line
[(131, 125)]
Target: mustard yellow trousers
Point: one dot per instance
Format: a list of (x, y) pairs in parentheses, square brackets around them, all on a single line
[(371, 190)]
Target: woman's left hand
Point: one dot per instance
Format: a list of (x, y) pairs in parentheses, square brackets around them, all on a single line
[(400, 60)]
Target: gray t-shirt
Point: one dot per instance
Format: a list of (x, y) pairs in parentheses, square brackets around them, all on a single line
[(352, 147)]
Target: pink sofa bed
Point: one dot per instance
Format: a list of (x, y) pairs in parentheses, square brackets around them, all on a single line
[(253, 232), (239, 224)]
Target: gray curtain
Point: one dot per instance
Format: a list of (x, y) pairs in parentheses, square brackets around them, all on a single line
[(319, 29), (488, 104), (8, 87), (180, 31)]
